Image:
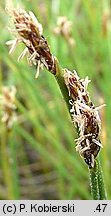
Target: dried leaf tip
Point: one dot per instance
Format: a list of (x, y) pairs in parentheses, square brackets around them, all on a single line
[(29, 31), (85, 117)]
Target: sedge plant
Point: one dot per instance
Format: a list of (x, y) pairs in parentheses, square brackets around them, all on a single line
[(84, 114)]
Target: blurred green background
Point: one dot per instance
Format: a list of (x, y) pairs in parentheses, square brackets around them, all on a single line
[(38, 159)]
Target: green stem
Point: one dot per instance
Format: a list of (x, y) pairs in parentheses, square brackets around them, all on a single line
[(94, 183), (97, 182), (60, 80), (8, 164), (101, 186)]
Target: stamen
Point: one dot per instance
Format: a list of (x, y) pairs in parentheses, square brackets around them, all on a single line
[(14, 44), (25, 51), (97, 143), (38, 68)]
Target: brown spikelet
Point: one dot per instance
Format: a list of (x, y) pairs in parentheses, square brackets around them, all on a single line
[(8, 106), (85, 117), (30, 33)]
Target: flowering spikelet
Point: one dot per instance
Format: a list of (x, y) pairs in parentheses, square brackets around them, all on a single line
[(64, 28), (30, 33), (85, 117), (7, 102)]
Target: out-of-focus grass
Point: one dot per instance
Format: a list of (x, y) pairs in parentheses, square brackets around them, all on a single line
[(38, 158)]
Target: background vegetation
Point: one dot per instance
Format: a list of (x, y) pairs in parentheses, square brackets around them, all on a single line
[(37, 157)]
